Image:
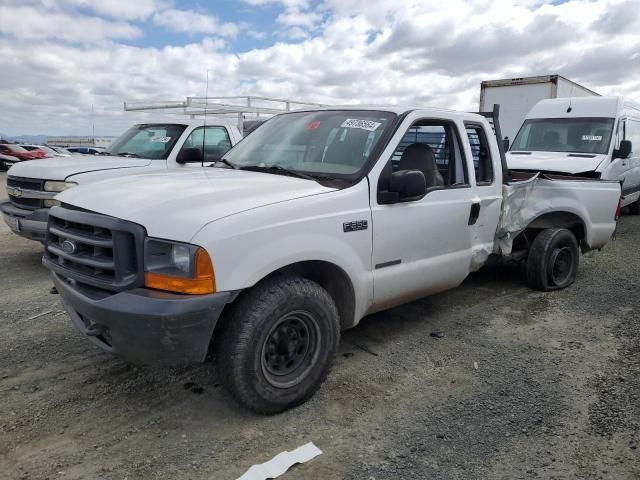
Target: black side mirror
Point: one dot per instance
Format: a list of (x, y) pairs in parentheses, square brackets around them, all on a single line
[(408, 184), (625, 149), (505, 143), (190, 155)]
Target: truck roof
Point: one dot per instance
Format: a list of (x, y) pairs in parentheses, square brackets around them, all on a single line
[(397, 109), (608, 107), (518, 81)]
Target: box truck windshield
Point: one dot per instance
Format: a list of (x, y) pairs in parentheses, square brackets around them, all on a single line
[(576, 135)]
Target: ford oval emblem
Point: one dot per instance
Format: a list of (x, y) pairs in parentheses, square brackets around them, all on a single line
[(69, 247)]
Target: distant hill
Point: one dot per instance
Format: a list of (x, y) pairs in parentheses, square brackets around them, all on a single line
[(35, 139)]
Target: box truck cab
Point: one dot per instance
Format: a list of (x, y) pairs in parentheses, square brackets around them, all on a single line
[(590, 137)]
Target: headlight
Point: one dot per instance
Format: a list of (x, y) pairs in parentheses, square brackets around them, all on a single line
[(51, 203), (178, 267), (57, 186)]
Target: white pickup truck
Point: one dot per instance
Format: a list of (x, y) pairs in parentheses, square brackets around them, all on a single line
[(315, 220), (32, 185)]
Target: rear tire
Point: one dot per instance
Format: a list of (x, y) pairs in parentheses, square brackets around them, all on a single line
[(277, 345), (553, 260), (634, 208)]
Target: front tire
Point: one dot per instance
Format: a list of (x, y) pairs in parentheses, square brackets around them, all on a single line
[(278, 343), (553, 260)]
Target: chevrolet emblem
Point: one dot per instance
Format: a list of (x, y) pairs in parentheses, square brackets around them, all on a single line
[(14, 191)]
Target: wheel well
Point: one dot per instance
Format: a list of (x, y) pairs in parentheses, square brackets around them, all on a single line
[(567, 220), (333, 279)]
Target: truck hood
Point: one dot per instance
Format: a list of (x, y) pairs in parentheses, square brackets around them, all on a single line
[(554, 162), (176, 205), (60, 168)]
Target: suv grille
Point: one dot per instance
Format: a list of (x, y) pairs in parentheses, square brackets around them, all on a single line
[(26, 184), (96, 250)]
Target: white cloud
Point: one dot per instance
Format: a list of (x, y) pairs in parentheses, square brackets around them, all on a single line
[(28, 22), (428, 53), (189, 21), (284, 3), (123, 9), (297, 18)]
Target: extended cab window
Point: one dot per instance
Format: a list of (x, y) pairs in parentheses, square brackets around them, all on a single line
[(215, 141), (481, 155), (434, 149)]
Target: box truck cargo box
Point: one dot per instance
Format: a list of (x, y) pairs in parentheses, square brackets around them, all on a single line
[(516, 96)]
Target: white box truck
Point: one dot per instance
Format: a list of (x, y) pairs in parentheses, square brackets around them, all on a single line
[(516, 96)]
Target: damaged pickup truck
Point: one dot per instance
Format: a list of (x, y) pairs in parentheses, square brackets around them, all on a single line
[(315, 220)]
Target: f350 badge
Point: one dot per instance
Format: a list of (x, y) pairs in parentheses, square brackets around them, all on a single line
[(355, 226)]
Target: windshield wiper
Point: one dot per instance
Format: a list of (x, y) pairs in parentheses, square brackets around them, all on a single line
[(278, 170), (128, 154), (226, 162)]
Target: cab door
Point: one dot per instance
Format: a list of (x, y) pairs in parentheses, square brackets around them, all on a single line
[(631, 186), (486, 163), (422, 245)]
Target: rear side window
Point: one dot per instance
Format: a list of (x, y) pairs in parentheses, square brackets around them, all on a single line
[(481, 155)]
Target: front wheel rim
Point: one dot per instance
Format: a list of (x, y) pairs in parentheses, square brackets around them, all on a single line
[(561, 263), (290, 349)]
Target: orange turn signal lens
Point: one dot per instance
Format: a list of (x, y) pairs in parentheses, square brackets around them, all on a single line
[(203, 282)]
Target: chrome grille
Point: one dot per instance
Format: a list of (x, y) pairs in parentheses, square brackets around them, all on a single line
[(22, 183), (93, 249), (82, 248)]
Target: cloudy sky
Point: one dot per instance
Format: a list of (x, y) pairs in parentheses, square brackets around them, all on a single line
[(60, 57)]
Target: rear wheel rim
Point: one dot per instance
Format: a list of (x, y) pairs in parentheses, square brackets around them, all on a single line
[(290, 349), (561, 265)]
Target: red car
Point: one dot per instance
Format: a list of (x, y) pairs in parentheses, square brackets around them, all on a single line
[(21, 153)]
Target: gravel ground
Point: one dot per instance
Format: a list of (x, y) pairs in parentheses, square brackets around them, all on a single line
[(523, 384)]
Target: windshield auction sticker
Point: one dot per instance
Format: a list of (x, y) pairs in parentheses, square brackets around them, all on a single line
[(592, 138), (362, 124), (160, 139)]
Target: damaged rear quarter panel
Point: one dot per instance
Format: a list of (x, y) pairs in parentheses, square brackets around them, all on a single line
[(593, 201)]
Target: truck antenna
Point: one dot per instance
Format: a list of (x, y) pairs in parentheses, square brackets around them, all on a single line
[(204, 128)]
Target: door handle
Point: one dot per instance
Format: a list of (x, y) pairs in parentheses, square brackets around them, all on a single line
[(474, 213)]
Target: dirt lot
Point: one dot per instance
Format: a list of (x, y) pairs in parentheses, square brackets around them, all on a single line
[(522, 385)]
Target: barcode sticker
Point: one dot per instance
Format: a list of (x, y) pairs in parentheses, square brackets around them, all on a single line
[(592, 138), (362, 124), (160, 139)]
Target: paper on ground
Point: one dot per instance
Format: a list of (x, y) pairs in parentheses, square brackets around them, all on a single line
[(281, 463)]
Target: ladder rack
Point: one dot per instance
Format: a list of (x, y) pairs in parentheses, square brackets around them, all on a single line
[(242, 108)]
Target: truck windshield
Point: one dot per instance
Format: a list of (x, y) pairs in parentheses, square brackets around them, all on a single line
[(146, 141), (576, 135), (331, 143)]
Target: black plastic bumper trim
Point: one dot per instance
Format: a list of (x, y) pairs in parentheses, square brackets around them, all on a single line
[(146, 326)]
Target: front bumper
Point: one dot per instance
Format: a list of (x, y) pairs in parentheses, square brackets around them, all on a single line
[(145, 326), (31, 224)]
